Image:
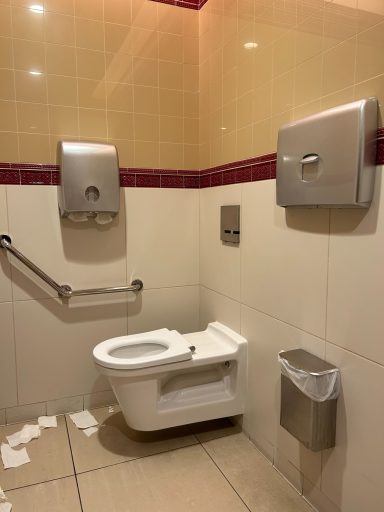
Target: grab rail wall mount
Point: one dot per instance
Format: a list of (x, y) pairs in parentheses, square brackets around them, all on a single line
[(64, 290)]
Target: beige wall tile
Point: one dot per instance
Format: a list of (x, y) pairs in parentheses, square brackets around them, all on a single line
[(34, 148), (145, 72), (92, 9), (5, 20), (60, 6), (90, 64), (174, 308), (62, 90), (60, 60), (92, 123), (218, 259), (144, 14), (7, 84), (146, 99), (91, 93), (89, 34), (32, 117), (59, 29), (163, 248), (30, 87), (118, 11), (6, 52), (335, 76), (271, 243), (119, 68), (64, 121), (8, 386), (119, 97), (120, 125), (370, 46), (8, 116), (308, 81), (171, 47), (282, 93), (9, 147), (309, 38), (26, 24), (146, 154), (284, 51), (28, 55), (64, 405)]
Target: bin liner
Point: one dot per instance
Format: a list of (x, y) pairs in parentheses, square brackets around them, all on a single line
[(319, 387)]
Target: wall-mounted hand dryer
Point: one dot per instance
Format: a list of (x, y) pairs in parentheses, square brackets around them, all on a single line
[(90, 185), (328, 160)]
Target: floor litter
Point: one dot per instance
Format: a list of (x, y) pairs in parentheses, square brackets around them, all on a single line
[(13, 458)]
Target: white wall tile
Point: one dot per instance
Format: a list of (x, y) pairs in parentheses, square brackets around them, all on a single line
[(5, 273), (266, 338), (8, 386), (284, 259), (64, 405), (99, 399), (353, 471), (318, 499), (54, 342), (2, 417), (25, 412), (174, 308), (356, 278), (219, 262), (215, 307), (163, 236), (83, 255)]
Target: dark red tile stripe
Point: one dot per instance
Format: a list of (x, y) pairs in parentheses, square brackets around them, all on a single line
[(188, 4), (262, 167)]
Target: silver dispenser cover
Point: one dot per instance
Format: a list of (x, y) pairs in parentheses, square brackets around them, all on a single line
[(89, 178), (328, 159)]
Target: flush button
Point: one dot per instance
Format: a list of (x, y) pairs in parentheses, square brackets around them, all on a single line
[(230, 224)]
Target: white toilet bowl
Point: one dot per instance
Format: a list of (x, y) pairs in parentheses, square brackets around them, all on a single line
[(162, 378)]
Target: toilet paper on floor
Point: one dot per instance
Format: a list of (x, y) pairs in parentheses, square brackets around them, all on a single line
[(26, 434), (78, 216), (47, 421), (13, 458), (5, 506), (83, 419), (89, 431)]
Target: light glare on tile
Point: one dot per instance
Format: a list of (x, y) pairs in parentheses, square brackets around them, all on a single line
[(34, 72), (39, 9), (250, 45), (223, 128)]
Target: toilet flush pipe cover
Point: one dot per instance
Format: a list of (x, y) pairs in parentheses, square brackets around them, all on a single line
[(142, 350)]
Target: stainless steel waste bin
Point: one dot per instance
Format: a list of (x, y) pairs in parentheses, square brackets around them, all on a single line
[(311, 421)]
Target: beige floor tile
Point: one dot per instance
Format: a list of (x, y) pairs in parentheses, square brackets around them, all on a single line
[(174, 481), (115, 442), (255, 480), (208, 430), (56, 496), (50, 457)]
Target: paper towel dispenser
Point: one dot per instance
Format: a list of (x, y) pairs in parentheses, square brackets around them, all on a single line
[(90, 184), (328, 160)]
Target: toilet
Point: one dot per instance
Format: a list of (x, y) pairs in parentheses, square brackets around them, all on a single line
[(162, 378)]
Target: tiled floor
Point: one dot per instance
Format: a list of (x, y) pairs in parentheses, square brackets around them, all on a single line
[(204, 468)]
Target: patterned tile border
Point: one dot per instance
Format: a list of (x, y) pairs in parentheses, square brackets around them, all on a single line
[(188, 4), (253, 169)]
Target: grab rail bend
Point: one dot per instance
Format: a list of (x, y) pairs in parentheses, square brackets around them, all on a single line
[(64, 290)]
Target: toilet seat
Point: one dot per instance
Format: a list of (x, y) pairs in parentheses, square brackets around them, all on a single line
[(142, 350)]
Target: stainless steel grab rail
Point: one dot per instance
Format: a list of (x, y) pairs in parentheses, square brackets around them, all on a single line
[(64, 290)]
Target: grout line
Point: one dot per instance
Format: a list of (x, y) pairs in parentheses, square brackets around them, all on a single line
[(73, 462), (223, 474), (40, 483)]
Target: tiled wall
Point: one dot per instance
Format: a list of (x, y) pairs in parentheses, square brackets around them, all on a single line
[(46, 343), (118, 70), (265, 63), (300, 278)]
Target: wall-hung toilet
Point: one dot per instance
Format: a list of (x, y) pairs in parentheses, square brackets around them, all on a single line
[(162, 378)]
